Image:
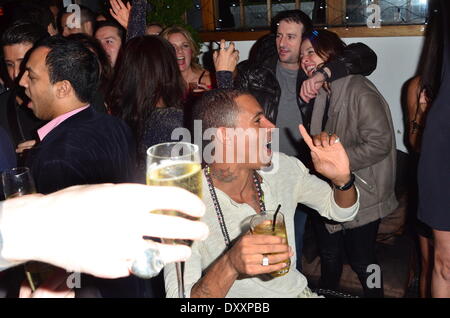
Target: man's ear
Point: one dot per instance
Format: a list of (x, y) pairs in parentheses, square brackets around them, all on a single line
[(63, 89)]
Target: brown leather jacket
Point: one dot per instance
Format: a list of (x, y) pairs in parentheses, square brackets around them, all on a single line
[(360, 116)]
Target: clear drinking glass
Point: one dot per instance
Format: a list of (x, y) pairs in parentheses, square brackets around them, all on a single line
[(175, 164), (265, 223), (16, 183)]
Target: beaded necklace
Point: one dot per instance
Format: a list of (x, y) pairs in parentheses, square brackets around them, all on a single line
[(218, 209)]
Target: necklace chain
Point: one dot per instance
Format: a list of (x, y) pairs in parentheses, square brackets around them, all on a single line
[(218, 209)]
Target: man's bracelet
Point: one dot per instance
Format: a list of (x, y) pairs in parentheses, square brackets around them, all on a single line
[(348, 185)]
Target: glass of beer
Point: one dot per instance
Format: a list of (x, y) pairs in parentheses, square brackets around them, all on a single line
[(266, 224), (18, 182), (175, 164)]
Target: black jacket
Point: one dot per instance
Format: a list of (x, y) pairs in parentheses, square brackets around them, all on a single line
[(87, 148), (260, 78)]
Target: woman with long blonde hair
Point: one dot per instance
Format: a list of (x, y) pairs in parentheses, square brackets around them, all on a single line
[(195, 76)]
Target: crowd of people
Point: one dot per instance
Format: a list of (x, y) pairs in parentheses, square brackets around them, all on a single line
[(84, 101)]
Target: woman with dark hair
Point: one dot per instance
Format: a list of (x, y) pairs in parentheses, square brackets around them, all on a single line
[(147, 92), (106, 71), (421, 91), (353, 109)]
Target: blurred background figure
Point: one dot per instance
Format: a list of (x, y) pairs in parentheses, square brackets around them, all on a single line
[(69, 25), (147, 92), (154, 28), (31, 12), (15, 116), (111, 36), (194, 75)]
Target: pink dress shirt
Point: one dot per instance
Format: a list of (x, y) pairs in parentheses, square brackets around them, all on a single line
[(45, 130)]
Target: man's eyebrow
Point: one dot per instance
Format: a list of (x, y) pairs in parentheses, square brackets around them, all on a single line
[(258, 114), (29, 69), (9, 60)]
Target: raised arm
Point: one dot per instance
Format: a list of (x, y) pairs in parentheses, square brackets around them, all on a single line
[(331, 160), (120, 12), (357, 58), (225, 61)]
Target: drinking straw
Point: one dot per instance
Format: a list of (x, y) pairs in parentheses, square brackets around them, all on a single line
[(275, 217)]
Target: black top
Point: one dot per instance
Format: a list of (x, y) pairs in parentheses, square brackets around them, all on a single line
[(87, 148), (434, 163), (158, 129)]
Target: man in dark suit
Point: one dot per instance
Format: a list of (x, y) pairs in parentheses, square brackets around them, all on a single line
[(78, 145)]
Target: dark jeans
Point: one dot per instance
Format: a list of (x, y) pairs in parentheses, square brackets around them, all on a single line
[(359, 246)]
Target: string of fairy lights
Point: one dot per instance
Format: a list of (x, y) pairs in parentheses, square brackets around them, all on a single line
[(355, 13)]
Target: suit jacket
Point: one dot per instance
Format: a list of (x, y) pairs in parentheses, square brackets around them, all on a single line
[(88, 148)]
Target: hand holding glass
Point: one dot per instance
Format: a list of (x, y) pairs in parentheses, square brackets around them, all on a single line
[(263, 224), (16, 183), (175, 164)]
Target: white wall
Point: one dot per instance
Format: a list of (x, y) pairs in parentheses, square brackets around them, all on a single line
[(397, 62)]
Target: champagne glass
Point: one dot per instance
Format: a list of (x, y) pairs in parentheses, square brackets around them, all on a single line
[(18, 182), (175, 164)]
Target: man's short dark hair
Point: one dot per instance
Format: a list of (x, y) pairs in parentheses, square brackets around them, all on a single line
[(218, 108), (120, 30), (23, 32), (71, 61), (297, 16), (86, 15)]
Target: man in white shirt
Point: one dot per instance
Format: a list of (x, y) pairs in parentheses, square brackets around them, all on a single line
[(232, 262)]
